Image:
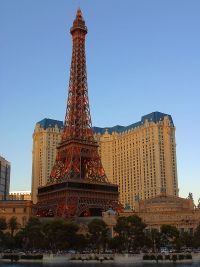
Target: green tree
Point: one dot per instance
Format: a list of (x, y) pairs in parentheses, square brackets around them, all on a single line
[(153, 238), (98, 231), (51, 234), (13, 225), (80, 242), (185, 239), (116, 244), (21, 239), (169, 235), (3, 224), (122, 229), (131, 232), (136, 231), (72, 238), (196, 240), (33, 235), (59, 234), (9, 241)]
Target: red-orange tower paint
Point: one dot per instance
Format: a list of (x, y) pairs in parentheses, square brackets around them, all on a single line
[(77, 184), (77, 156)]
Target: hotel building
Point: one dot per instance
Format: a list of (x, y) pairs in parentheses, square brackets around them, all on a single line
[(21, 209), (140, 158), (46, 136)]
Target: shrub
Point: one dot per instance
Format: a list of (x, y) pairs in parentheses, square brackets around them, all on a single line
[(188, 256), (181, 257), (167, 257), (146, 257), (160, 257), (152, 257), (12, 257), (32, 257), (174, 257)]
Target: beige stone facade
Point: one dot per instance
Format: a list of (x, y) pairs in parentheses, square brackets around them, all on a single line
[(172, 210), (20, 195), (46, 136), (21, 209), (160, 210), (140, 158)]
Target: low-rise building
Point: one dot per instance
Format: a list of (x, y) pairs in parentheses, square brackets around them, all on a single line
[(20, 195), (172, 210), (21, 209), (160, 210)]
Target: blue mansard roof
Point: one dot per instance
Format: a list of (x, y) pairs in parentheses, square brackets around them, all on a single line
[(49, 123), (152, 117)]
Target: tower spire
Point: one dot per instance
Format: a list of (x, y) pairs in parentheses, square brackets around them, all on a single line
[(79, 22)]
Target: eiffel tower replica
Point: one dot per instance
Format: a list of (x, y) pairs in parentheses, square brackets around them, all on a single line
[(78, 185)]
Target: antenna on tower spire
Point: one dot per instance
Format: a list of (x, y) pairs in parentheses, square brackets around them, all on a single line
[(79, 14)]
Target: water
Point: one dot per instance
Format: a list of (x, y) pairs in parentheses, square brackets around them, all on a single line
[(84, 264)]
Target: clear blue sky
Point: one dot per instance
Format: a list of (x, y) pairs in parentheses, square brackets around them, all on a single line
[(142, 56)]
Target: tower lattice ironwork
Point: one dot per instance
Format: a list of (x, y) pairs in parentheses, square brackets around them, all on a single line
[(77, 185), (77, 155)]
